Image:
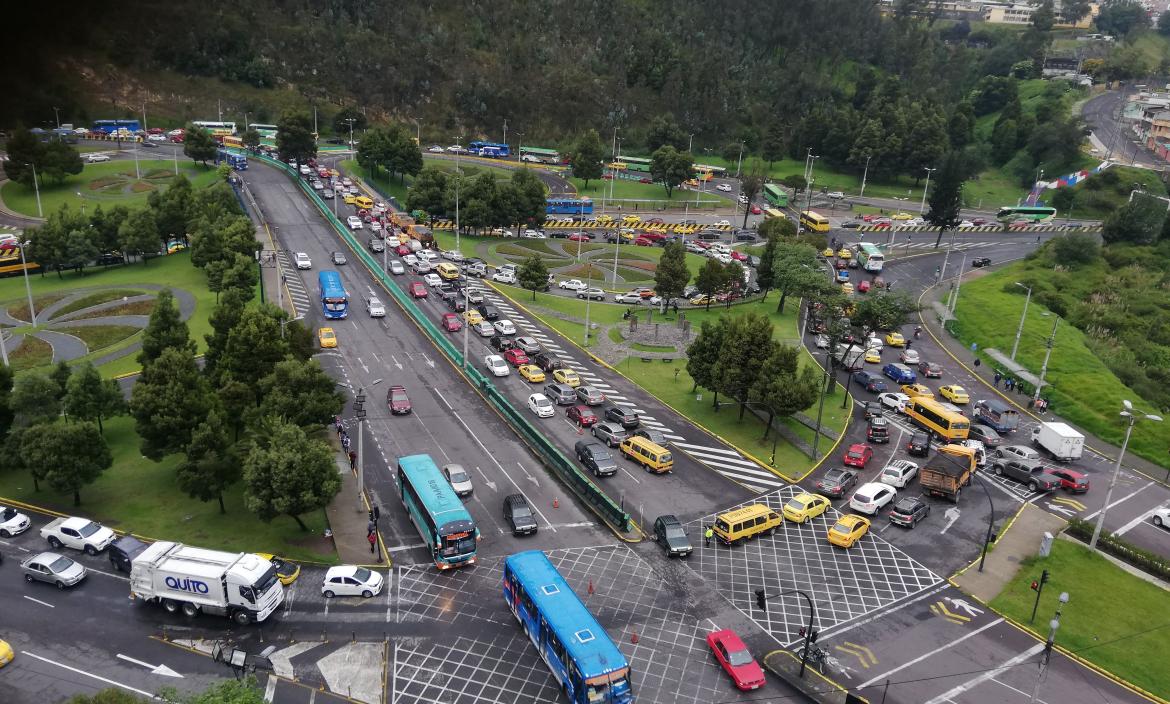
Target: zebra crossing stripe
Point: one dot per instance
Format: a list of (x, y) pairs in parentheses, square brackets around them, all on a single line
[(674, 437), (617, 397), (706, 448), (728, 462), (627, 404)]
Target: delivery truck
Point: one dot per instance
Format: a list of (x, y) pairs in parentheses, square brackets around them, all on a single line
[(241, 586), (1059, 440), (948, 472)]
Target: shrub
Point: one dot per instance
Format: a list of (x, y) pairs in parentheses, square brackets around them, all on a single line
[(1126, 552)]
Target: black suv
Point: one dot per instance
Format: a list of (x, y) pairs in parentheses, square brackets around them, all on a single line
[(878, 431), (123, 550), (519, 515), (627, 419), (501, 344), (547, 361), (596, 458), (489, 312), (919, 445), (873, 409), (909, 511), (669, 533)]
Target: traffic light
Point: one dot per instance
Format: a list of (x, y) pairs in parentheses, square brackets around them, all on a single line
[(812, 638), (761, 600), (1037, 584)]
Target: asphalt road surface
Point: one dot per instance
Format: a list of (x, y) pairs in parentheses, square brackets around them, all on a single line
[(1102, 114)]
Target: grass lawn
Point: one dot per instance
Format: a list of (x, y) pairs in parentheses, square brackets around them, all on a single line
[(625, 189), (381, 180), (1095, 199), (108, 183), (174, 270), (96, 299), (875, 185), (1127, 642), (1083, 389), (98, 337), (32, 353), (139, 495)]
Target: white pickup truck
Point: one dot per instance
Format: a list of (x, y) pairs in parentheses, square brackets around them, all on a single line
[(79, 534)]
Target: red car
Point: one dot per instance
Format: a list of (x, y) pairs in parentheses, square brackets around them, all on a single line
[(656, 236), (515, 357), (451, 322), (733, 655), (858, 455), (579, 237), (653, 221), (978, 221), (863, 287), (756, 210), (402, 250), (418, 290), (738, 255), (644, 180), (581, 415), (608, 177), (1070, 480), (644, 242), (398, 401)]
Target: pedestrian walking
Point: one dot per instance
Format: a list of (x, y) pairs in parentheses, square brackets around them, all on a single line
[(1008, 383), (710, 533), (352, 459), (998, 376), (337, 425), (345, 443), (373, 538)]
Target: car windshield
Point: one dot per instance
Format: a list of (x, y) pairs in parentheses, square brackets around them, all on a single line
[(854, 454), (521, 511), (676, 532), (7, 514), (362, 575), (397, 396), (542, 403), (60, 565), (796, 504), (738, 658), (458, 477), (599, 453), (89, 529), (905, 506), (842, 527)]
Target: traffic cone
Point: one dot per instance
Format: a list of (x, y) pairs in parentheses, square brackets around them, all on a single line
[(591, 586), (556, 502), (634, 638)]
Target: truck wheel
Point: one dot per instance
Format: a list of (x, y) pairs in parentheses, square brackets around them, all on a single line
[(242, 618), (190, 610), (90, 550), (955, 499), (170, 605), (54, 542)]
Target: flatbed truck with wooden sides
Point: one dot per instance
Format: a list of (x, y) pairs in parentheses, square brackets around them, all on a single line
[(948, 472)]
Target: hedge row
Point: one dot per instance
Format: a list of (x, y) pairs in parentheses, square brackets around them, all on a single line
[(1142, 559)]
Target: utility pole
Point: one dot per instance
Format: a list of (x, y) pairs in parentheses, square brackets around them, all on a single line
[(922, 207), (691, 144), (1023, 316), (1047, 355), (505, 130), (864, 175), (739, 165), (458, 178), (143, 117), (1133, 417), (958, 283), (1052, 626), (57, 113), (360, 412)]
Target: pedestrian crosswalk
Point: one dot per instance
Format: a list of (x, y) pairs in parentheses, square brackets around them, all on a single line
[(725, 461), (293, 284), (899, 243)]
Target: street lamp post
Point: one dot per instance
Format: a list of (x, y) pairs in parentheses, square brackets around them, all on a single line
[(1047, 355), (739, 164), (1134, 417), (1052, 626), (990, 525), (864, 174), (466, 324), (284, 322), (360, 412), (690, 143), (1023, 316), (57, 113), (458, 179), (821, 405), (37, 190), (417, 132), (929, 171), (27, 286)]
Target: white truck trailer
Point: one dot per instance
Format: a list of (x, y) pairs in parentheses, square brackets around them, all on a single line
[(1059, 440), (241, 586)]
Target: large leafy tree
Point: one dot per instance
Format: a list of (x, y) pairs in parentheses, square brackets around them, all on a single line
[(670, 167), (92, 398), (587, 157), (750, 186), (947, 196), (169, 401), (300, 392), (35, 399), (210, 465), (251, 139), (104, 226), (531, 203), (1137, 222), (766, 271), (428, 192), (795, 271), (747, 344), (672, 274), (703, 353), (165, 330), (198, 144), (253, 348), (295, 138), (287, 473), (533, 275), (67, 455), (346, 117), (665, 131), (60, 161), (784, 387), (7, 376), (772, 150), (139, 234), (52, 161), (173, 207), (1119, 17), (713, 278)]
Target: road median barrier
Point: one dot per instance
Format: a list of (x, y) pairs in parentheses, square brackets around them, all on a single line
[(815, 685)]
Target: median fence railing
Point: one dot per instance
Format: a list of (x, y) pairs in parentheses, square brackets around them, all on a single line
[(576, 480)]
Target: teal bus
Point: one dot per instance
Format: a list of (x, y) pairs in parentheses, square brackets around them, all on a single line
[(775, 195), (870, 257), (437, 513), (578, 651), (1030, 213), (634, 163)]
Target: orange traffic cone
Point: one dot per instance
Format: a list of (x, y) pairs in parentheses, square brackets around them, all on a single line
[(634, 638), (556, 502), (591, 586)]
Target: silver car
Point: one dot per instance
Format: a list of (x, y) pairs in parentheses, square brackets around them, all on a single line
[(52, 568), (458, 478)]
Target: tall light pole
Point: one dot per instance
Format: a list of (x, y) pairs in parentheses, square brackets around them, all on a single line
[(864, 175), (929, 171), (27, 285), (1023, 316), (417, 131), (519, 144), (739, 164), (350, 120), (143, 116), (690, 143), (245, 121), (505, 130), (1134, 417), (1047, 355), (360, 412), (37, 190), (466, 324), (57, 114), (1052, 626)]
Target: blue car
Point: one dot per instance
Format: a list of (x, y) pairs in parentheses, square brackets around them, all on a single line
[(900, 373), (872, 382), (842, 276)]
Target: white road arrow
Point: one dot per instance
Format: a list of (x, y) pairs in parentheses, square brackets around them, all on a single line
[(429, 361), (952, 515), (1060, 509), (397, 363), (491, 485), (154, 669)]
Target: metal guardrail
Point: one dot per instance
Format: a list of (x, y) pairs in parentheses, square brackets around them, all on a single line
[(566, 471)]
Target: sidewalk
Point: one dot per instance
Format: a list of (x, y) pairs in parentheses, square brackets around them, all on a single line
[(348, 523), (1021, 539), (986, 372)]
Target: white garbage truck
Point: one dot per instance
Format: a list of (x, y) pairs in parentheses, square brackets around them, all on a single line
[(1059, 440), (242, 586)]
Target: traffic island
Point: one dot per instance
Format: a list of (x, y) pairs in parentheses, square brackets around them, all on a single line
[(1018, 541), (815, 684)]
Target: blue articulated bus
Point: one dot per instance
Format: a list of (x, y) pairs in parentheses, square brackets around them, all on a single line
[(568, 206), (109, 126), (239, 162), (495, 150), (437, 513), (334, 299), (576, 648)]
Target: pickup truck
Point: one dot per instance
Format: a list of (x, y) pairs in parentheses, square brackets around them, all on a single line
[(948, 472), (1026, 472), (79, 534)]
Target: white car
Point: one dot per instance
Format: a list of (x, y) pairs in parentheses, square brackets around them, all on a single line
[(572, 284), (874, 343), (432, 280), (351, 580), (13, 522), (302, 260), (485, 329), (428, 255), (504, 327), (305, 170), (457, 149), (534, 235), (95, 158), (396, 267), (723, 223), (435, 149), (452, 254), (347, 182), (909, 357), (836, 195), (743, 200), (458, 478), (541, 406), (504, 277), (894, 400), (503, 232), (354, 222), (898, 473), (375, 308), (496, 365), (156, 138), (872, 497), (422, 266), (725, 187), (79, 534), (176, 132), (1161, 517), (966, 223), (375, 226), (821, 341), (410, 260)]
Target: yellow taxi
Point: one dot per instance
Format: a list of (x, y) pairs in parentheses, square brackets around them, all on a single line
[(702, 300), (334, 173), (349, 198), (844, 253), (917, 391), (603, 218), (901, 216), (828, 253), (873, 356), (565, 375), (847, 289), (472, 317), (287, 572), (954, 393), (804, 506), (327, 337), (895, 339), (631, 219), (531, 372), (6, 654), (848, 530)]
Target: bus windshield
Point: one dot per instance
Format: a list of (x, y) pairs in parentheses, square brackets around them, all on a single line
[(456, 544), (598, 689)]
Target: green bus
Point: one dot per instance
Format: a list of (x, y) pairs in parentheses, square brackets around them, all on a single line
[(540, 155), (775, 195), (1031, 213), (635, 163)]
